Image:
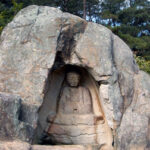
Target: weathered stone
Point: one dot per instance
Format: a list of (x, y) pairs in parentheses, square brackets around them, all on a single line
[(99, 56), (36, 48), (14, 145), (126, 67), (28, 114), (9, 114), (14, 121), (33, 53), (134, 130), (70, 147)]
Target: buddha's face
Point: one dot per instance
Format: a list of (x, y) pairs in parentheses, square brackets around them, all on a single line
[(73, 79)]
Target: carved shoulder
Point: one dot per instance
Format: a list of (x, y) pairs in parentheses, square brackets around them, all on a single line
[(84, 89), (64, 92), (65, 89)]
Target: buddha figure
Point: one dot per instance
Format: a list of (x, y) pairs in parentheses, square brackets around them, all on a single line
[(75, 99), (74, 122), (78, 118)]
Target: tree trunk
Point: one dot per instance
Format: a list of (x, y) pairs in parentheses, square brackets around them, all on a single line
[(89, 12), (65, 5), (84, 9)]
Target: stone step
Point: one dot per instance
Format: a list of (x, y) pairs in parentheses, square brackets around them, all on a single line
[(18, 145), (64, 147)]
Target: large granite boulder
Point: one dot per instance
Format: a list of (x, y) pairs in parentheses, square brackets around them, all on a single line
[(34, 50)]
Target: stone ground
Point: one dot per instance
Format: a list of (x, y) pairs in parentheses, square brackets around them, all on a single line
[(19, 145)]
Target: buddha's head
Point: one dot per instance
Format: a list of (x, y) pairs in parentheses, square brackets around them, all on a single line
[(73, 78)]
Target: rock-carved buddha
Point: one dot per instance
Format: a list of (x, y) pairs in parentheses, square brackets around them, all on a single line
[(75, 121)]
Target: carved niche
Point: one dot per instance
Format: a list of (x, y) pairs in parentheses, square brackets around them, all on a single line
[(72, 112)]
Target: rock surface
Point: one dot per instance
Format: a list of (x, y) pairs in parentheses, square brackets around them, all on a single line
[(18, 145), (37, 147), (134, 131), (14, 122), (41, 39), (14, 145), (9, 114)]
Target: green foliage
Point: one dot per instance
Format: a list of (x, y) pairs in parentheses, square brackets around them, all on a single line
[(72, 6), (143, 63), (7, 12), (16, 7), (8, 8), (137, 44), (110, 10), (133, 26)]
